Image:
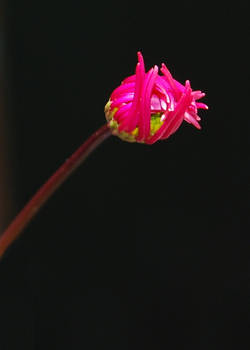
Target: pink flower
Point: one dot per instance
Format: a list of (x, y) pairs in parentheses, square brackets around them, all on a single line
[(147, 107)]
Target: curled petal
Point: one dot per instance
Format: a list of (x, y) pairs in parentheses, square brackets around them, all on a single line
[(170, 80), (134, 113), (130, 79), (145, 116), (122, 112), (122, 89), (121, 100)]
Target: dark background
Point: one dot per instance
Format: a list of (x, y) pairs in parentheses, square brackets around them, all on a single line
[(144, 247)]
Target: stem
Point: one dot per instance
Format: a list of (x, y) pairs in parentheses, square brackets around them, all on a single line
[(24, 217)]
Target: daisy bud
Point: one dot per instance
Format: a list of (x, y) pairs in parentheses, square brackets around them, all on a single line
[(148, 107)]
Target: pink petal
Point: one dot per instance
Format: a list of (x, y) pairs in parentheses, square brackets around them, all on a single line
[(124, 99), (170, 80), (157, 104), (134, 112), (119, 115), (198, 94), (192, 120), (130, 79), (201, 105), (122, 89)]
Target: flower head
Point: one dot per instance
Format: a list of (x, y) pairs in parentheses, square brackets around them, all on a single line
[(147, 106)]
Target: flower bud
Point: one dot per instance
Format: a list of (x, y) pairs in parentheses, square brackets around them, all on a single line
[(148, 107)]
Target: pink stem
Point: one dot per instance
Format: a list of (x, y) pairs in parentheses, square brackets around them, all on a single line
[(17, 226)]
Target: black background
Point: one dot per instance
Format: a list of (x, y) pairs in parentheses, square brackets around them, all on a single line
[(144, 247)]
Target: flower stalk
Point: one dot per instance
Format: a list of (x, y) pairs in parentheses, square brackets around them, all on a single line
[(46, 191)]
